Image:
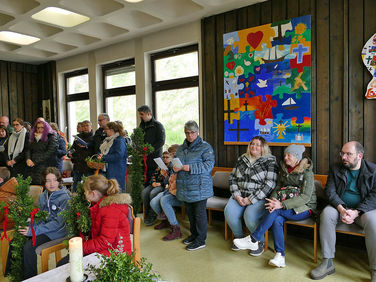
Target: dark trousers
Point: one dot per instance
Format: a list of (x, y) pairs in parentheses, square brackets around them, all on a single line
[(29, 256), (198, 220)]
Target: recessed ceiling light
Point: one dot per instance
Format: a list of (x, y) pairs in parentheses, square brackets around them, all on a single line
[(17, 38), (134, 1), (60, 17)]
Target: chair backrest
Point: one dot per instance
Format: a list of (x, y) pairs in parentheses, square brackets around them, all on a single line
[(135, 227), (34, 192), (9, 186), (219, 168), (322, 178), (220, 179)]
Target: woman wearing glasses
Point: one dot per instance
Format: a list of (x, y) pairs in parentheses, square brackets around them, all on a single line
[(194, 183), (42, 151), (251, 181)]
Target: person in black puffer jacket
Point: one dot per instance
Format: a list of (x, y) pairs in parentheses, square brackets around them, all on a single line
[(41, 152), (80, 152)]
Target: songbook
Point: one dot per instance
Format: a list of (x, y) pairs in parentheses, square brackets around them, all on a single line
[(80, 141), (160, 163), (177, 163)]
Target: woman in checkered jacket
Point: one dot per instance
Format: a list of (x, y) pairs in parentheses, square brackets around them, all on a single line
[(251, 181)]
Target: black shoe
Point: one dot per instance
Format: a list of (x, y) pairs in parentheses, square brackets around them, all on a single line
[(195, 246), (150, 220), (188, 240), (259, 251)]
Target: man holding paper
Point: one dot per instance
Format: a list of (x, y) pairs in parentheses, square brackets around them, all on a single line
[(194, 182)]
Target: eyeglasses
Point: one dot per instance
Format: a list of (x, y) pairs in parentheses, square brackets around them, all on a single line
[(165, 157), (347, 154), (190, 132), (255, 144)]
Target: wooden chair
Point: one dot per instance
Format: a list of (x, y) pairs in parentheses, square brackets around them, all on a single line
[(220, 180), (320, 182)]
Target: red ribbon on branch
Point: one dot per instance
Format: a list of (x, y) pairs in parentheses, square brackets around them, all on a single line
[(6, 212), (145, 165), (32, 214), (79, 230)]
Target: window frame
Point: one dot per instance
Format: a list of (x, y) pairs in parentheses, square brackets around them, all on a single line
[(176, 83), (76, 96), (118, 91)]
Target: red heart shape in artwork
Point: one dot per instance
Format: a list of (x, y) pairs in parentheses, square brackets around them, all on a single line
[(254, 39), (230, 65)]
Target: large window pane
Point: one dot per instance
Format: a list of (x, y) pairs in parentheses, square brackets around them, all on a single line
[(177, 66), (175, 108), (120, 77), (123, 108), (78, 84), (77, 111)]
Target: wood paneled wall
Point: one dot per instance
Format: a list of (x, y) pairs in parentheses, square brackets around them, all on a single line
[(339, 79), (24, 86)]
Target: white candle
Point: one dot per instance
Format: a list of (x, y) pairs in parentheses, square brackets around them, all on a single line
[(75, 258)]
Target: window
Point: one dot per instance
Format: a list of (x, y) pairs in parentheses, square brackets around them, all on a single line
[(77, 97), (175, 87), (119, 92)]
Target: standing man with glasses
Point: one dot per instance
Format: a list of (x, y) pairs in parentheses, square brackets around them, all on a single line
[(351, 191), (100, 135)]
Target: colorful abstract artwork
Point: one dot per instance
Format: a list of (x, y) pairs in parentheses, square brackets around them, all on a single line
[(369, 60), (267, 83)]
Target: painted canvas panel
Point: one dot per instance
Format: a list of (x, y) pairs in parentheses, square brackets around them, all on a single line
[(267, 83)]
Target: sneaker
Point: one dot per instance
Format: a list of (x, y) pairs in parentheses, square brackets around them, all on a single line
[(259, 251), (188, 240), (195, 246), (164, 224), (278, 260), (325, 268), (246, 243), (175, 234), (235, 248)]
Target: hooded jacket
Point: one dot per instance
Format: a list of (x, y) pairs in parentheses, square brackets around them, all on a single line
[(109, 225), (302, 177), (55, 203)]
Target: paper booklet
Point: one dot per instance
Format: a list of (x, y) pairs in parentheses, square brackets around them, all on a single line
[(176, 162), (160, 163)]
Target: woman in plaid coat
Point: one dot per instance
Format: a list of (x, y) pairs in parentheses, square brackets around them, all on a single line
[(251, 181)]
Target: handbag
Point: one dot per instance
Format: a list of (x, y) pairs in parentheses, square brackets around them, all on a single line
[(288, 192)]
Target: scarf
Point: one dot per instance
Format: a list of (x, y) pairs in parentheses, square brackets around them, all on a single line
[(107, 143), (16, 143)]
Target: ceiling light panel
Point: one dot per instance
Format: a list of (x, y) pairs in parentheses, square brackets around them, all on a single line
[(17, 38), (60, 17)]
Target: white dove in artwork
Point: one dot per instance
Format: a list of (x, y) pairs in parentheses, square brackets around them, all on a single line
[(262, 83), (247, 63)]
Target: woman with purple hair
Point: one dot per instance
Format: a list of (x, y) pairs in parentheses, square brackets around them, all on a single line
[(42, 150)]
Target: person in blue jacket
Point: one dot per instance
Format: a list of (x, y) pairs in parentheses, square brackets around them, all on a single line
[(194, 183), (54, 200), (114, 153)]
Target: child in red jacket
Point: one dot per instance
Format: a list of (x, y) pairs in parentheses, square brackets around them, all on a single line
[(109, 216)]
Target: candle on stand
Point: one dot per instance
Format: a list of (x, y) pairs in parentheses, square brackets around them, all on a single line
[(75, 258)]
